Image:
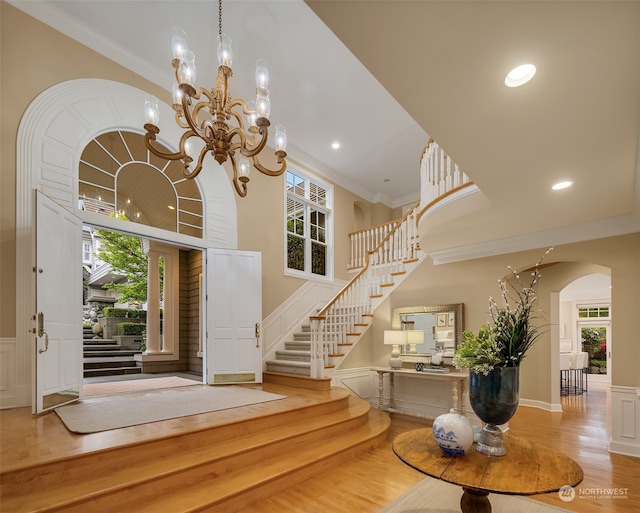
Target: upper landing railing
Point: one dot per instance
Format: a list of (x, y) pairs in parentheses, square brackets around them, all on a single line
[(440, 177)]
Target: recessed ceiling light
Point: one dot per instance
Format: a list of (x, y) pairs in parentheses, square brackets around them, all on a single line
[(335, 145), (520, 75), (562, 185), (171, 207)]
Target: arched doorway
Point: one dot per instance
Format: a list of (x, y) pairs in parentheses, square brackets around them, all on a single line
[(53, 132), (585, 322)]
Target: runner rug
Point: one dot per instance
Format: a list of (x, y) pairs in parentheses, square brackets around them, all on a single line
[(440, 497), (105, 412)]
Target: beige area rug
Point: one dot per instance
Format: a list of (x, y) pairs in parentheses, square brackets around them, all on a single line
[(135, 385), (105, 412), (436, 496)]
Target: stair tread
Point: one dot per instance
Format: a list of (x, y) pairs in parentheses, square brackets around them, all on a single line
[(61, 492), (107, 359), (195, 496), (290, 363)]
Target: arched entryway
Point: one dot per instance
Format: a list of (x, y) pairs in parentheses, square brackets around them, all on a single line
[(54, 130)]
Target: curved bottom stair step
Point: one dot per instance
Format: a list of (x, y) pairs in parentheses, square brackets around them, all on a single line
[(218, 469), (272, 476)]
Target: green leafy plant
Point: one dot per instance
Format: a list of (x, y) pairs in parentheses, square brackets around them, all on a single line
[(131, 328), (510, 334), (477, 353)]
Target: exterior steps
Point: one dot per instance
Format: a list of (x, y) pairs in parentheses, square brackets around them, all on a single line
[(221, 468), (105, 357)]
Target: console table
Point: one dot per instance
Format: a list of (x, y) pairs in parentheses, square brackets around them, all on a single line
[(458, 385), (528, 468)]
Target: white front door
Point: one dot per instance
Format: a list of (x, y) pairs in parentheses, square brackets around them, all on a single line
[(58, 313), (234, 316)]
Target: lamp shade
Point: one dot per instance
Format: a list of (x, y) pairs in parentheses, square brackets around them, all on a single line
[(415, 337), (393, 337)]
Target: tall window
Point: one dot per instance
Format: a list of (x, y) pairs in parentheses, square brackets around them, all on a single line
[(308, 226)]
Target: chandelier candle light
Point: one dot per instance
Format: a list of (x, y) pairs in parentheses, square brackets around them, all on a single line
[(215, 123)]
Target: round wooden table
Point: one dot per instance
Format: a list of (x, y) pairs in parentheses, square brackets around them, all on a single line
[(528, 468)]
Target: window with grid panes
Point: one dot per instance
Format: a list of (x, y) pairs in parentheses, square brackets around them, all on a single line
[(591, 312), (308, 214)]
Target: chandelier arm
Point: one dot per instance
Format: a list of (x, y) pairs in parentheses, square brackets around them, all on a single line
[(191, 119), (206, 124), (239, 183), (197, 169), (191, 114), (281, 160), (152, 130), (238, 119), (180, 121), (240, 145), (241, 103), (251, 152)]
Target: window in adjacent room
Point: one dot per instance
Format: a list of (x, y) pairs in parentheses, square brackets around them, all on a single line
[(308, 225)]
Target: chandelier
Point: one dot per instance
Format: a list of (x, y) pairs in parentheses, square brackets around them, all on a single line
[(215, 123)]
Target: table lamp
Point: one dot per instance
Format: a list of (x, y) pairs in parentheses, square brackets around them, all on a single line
[(395, 339), (414, 338)]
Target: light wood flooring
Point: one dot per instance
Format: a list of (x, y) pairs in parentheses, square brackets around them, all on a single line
[(582, 432), (374, 479)]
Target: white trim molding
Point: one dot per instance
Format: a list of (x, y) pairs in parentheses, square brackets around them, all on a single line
[(356, 380), (625, 421), (11, 394), (295, 311), (54, 130)]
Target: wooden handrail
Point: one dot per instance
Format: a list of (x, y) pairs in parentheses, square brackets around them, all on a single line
[(440, 198), (381, 225), (322, 313)]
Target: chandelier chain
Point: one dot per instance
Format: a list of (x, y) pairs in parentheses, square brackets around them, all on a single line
[(223, 133)]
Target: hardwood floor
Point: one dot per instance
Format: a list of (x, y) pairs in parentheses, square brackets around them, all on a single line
[(581, 431), (375, 478)]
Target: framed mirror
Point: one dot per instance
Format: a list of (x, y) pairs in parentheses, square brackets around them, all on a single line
[(442, 326)]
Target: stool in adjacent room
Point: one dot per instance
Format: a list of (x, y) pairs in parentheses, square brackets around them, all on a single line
[(565, 373)]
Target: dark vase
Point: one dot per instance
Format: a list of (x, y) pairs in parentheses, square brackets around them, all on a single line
[(494, 398)]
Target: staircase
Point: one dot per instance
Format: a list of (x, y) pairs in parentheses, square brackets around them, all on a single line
[(223, 464), (319, 348), (105, 357)]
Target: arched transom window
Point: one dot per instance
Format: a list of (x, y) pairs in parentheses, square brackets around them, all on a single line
[(118, 175)]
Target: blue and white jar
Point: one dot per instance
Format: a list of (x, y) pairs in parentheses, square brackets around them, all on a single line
[(453, 433)]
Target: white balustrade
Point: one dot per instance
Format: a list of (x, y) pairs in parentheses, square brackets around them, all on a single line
[(439, 174), (379, 253), (397, 244)]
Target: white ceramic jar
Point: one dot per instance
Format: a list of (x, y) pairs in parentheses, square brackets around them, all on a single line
[(453, 433)]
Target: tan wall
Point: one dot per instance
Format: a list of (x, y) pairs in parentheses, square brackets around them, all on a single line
[(36, 57), (473, 281), (261, 228)]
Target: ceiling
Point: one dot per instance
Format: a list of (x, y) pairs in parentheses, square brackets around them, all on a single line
[(399, 72)]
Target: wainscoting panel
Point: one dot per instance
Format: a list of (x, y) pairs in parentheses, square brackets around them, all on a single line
[(625, 420), (295, 311), (7, 372), (357, 380)]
